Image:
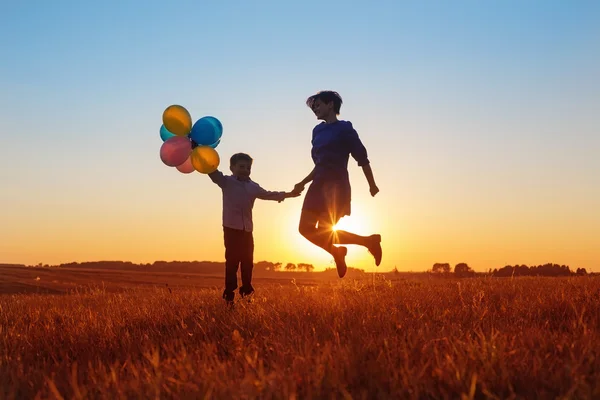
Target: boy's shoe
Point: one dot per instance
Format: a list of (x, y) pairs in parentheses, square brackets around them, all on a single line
[(375, 248), (229, 296), (247, 294), (246, 290), (339, 256)]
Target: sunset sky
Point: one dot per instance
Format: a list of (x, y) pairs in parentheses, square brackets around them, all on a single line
[(481, 120)]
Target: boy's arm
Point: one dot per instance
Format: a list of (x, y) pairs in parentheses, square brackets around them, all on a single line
[(277, 196), (218, 178)]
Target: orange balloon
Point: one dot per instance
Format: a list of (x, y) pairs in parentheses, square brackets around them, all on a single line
[(177, 120), (205, 159)]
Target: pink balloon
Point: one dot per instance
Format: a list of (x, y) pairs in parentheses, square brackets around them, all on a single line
[(175, 151), (187, 167)]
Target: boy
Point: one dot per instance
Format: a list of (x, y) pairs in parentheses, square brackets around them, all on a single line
[(239, 193)]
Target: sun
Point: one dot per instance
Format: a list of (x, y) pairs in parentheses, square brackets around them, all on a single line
[(295, 248), (348, 224), (355, 223)]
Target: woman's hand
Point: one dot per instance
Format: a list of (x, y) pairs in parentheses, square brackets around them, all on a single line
[(374, 190), (298, 188)]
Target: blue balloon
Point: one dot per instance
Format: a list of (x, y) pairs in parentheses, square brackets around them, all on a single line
[(165, 134), (215, 144), (207, 131)]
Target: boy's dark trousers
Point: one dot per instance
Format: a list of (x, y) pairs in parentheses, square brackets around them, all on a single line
[(239, 249)]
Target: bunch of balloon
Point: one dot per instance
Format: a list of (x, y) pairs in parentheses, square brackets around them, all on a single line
[(189, 147)]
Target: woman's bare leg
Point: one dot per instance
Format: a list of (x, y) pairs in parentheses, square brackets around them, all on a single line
[(345, 237), (312, 230), (372, 243), (318, 230)]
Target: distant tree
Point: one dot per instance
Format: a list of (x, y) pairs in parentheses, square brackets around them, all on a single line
[(277, 266), (553, 270), (510, 271), (441, 268), (581, 271), (463, 270), (537, 270), (264, 266), (290, 266), (306, 267)]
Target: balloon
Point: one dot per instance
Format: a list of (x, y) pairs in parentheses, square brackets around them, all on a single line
[(187, 167), (206, 131), (218, 125), (205, 159), (165, 134), (177, 120), (214, 145), (175, 151)]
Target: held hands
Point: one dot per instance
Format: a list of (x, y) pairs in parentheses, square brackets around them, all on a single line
[(298, 188), (293, 193)]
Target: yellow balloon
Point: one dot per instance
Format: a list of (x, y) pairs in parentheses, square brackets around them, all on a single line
[(177, 120), (205, 159)]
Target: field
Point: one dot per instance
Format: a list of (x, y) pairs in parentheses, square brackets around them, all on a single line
[(110, 334)]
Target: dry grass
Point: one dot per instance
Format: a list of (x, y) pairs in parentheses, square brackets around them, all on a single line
[(474, 338)]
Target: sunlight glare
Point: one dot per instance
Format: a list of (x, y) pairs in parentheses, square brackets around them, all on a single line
[(355, 223)]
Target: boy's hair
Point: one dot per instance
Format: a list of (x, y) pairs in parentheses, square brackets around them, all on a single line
[(326, 96), (239, 157)]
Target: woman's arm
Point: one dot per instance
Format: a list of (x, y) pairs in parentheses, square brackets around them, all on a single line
[(299, 187), (369, 175)]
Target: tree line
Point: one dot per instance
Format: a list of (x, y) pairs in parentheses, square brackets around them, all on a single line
[(183, 266), (549, 269)]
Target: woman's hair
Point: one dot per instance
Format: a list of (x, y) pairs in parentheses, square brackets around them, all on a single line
[(326, 96)]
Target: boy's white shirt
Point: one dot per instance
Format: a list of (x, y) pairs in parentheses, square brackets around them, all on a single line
[(238, 199)]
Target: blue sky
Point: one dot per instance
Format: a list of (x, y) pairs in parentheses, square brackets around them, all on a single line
[(480, 117)]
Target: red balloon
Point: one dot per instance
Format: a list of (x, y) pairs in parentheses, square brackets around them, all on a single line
[(175, 151), (187, 167)]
